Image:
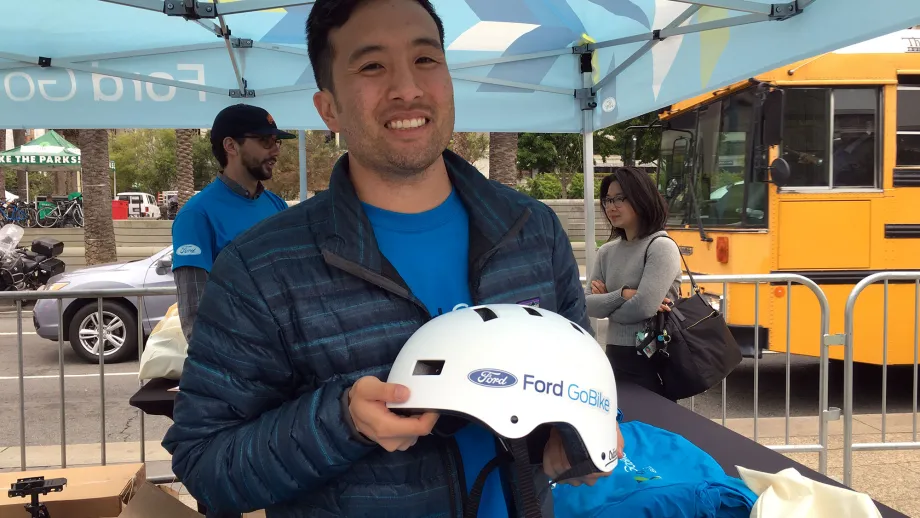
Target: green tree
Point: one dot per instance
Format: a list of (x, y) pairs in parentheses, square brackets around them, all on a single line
[(471, 146), (648, 141), (561, 154), (322, 154), (146, 160)]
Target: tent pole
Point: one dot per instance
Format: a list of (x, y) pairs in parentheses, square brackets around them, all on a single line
[(587, 133), (302, 154)]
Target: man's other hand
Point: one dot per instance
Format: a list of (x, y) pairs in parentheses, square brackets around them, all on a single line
[(367, 403)]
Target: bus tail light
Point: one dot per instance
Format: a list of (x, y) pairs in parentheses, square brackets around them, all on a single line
[(722, 249)]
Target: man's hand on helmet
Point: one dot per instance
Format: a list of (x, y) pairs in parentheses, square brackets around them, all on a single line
[(555, 461), (367, 403)]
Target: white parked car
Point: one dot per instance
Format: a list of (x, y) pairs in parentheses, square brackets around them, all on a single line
[(140, 204)]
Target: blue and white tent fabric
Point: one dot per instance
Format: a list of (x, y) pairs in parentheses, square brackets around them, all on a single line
[(128, 64), (518, 65)]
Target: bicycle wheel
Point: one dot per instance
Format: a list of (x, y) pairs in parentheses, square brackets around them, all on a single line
[(50, 219), (78, 215)]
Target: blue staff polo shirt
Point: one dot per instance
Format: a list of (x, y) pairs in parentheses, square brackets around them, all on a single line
[(213, 218)]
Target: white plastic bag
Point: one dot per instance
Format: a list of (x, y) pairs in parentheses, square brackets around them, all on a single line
[(166, 349), (789, 494)]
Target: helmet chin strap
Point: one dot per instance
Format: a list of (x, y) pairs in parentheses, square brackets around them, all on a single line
[(525, 498)]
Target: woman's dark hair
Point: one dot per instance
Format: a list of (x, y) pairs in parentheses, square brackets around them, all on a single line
[(642, 194)]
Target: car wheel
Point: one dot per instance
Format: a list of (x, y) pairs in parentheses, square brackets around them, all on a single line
[(119, 332)]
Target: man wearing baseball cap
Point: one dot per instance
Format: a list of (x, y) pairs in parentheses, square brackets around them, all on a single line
[(246, 142)]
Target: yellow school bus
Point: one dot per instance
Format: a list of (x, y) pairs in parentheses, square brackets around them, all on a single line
[(847, 123)]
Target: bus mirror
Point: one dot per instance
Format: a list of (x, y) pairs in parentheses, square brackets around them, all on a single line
[(773, 108), (780, 172)]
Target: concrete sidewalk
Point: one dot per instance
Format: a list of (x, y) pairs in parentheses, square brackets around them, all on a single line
[(891, 477)]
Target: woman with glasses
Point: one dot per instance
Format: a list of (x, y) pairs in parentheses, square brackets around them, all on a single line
[(633, 277)]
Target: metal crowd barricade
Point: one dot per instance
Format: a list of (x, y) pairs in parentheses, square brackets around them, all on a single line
[(848, 446), (60, 296), (826, 340)]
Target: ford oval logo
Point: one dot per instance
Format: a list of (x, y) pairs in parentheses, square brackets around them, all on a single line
[(492, 378)]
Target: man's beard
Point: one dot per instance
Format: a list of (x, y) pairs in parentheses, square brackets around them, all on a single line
[(257, 170)]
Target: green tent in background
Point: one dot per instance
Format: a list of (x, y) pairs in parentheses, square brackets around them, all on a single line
[(49, 152)]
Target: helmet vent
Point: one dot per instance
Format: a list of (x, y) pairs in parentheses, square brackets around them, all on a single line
[(532, 311), (428, 368), (580, 330), (486, 314)]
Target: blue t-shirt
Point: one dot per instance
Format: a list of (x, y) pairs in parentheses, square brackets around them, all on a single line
[(661, 474), (430, 251), (211, 219)]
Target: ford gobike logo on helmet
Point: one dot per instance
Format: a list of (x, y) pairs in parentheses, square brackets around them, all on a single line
[(497, 378), (572, 391), (492, 378)]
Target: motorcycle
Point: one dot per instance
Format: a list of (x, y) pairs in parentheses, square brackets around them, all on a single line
[(24, 269)]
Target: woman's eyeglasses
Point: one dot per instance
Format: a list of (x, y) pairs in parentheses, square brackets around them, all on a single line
[(617, 200)]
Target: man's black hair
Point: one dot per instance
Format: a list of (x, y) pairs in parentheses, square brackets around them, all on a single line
[(327, 15)]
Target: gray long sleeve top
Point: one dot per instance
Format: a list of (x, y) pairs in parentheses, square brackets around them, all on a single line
[(619, 265)]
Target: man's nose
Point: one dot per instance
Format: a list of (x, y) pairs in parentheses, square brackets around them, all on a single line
[(404, 84)]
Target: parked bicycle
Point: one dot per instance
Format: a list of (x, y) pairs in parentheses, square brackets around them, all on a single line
[(17, 212), (63, 214)]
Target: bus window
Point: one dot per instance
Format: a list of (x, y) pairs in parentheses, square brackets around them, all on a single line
[(715, 162), (832, 130), (908, 154)]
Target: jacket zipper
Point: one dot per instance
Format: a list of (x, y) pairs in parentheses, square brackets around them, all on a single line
[(395, 288), (376, 279), (480, 263)]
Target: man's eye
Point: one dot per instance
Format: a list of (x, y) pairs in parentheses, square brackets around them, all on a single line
[(427, 60), (371, 67)]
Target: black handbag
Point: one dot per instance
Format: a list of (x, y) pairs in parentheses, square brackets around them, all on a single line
[(695, 349)]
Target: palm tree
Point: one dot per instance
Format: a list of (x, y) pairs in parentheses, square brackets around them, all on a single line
[(22, 176), (65, 182), (99, 231), (503, 158), (185, 170)]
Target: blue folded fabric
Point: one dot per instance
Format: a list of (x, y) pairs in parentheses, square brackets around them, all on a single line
[(661, 475)]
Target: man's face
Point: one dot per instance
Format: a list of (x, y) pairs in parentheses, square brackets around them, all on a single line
[(258, 155), (393, 100)]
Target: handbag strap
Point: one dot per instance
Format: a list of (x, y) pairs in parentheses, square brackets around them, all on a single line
[(682, 258)]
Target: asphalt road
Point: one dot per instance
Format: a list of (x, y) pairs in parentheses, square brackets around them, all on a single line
[(81, 393), (82, 387)]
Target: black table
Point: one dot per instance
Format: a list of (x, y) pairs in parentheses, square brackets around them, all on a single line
[(725, 446), (155, 398)]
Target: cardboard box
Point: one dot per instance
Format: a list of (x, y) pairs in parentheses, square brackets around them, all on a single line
[(91, 492), (152, 501)]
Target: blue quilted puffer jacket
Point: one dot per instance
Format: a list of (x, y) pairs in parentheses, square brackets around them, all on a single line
[(301, 306)]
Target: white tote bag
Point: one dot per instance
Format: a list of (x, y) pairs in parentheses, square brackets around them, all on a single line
[(789, 494), (166, 349)]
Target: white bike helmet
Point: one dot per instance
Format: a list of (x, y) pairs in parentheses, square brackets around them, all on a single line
[(513, 368)]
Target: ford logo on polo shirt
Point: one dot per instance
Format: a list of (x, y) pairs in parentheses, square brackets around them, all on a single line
[(492, 378)]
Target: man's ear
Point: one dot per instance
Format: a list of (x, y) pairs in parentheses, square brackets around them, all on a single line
[(231, 146), (324, 102)]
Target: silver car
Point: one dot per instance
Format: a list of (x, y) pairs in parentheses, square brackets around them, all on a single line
[(119, 314)]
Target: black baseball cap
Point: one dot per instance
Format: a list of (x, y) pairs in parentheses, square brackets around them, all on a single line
[(240, 120)]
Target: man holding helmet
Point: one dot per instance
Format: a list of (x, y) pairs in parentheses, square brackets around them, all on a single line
[(282, 404)]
